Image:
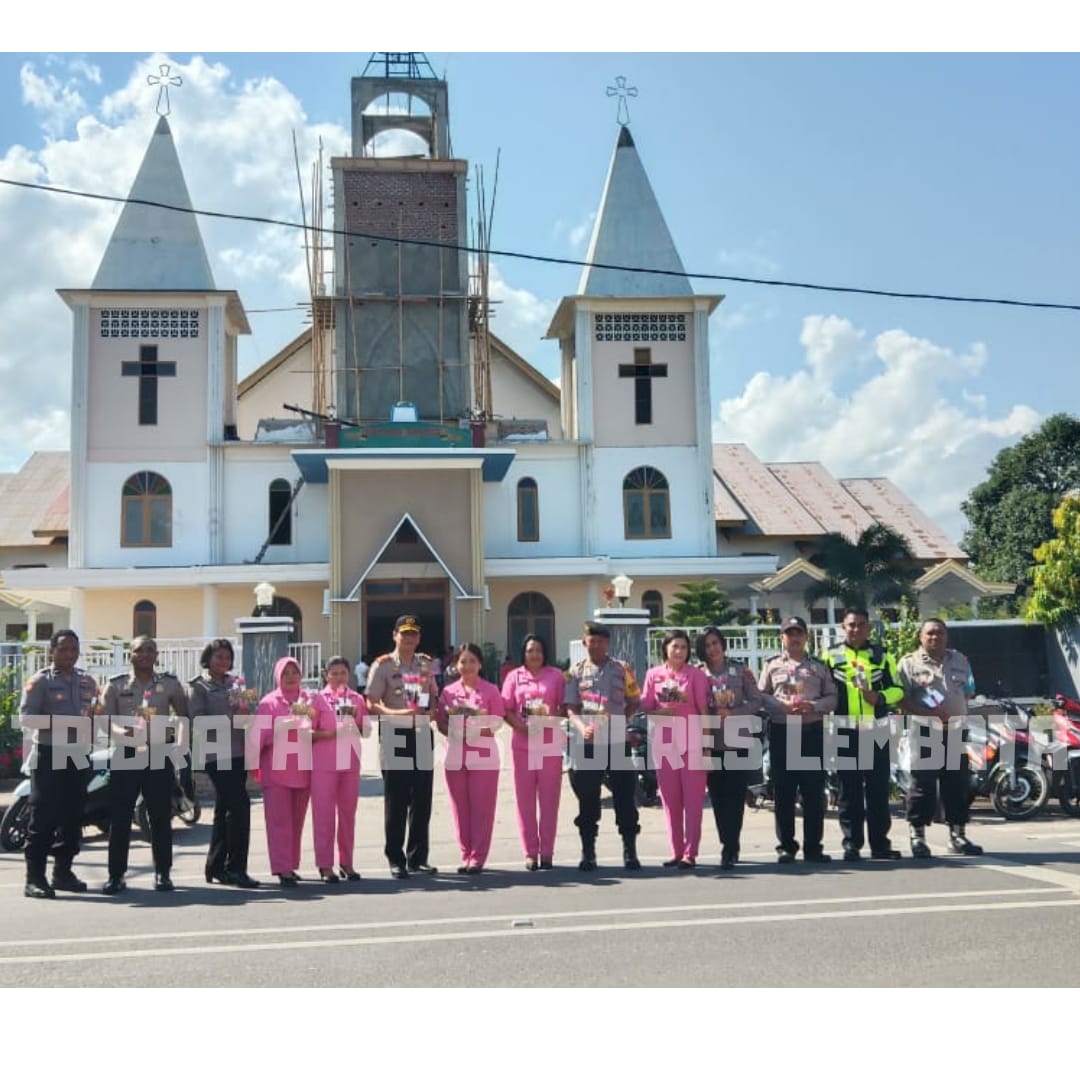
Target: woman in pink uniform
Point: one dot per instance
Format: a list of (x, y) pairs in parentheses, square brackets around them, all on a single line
[(678, 691), (469, 711), (533, 697), (335, 772), (286, 784)]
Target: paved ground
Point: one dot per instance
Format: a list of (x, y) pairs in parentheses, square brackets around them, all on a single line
[(1011, 918)]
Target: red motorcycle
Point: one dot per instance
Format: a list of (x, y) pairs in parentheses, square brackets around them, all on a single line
[(1063, 754)]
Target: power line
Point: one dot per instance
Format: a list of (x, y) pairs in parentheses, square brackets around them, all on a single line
[(554, 259)]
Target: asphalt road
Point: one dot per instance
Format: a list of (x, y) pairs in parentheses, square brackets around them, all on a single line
[(1009, 918)]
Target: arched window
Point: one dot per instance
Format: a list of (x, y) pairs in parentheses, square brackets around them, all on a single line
[(528, 510), (280, 523), (646, 505), (282, 605), (146, 511), (530, 613), (144, 619), (654, 603)]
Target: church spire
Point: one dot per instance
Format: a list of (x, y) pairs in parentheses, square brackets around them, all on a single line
[(630, 231), (153, 249)]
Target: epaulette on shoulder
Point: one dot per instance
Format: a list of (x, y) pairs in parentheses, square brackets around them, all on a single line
[(422, 656), (380, 659), (770, 659), (118, 678)]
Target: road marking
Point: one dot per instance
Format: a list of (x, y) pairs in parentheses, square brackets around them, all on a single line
[(546, 931), (1044, 874), (543, 916)]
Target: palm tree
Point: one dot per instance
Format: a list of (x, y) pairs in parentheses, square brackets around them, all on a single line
[(875, 571)]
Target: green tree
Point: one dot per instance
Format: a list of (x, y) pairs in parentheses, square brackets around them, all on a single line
[(875, 571), (700, 603), (1011, 511), (1055, 597)]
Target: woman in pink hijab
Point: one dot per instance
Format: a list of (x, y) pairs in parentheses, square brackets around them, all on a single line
[(285, 764)]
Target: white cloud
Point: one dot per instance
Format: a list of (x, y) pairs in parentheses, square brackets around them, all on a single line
[(917, 419), (579, 234), (235, 141), (747, 263)]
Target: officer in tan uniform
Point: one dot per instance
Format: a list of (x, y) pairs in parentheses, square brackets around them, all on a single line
[(57, 796), (402, 692), (136, 702), (937, 683), (807, 692), (598, 688)]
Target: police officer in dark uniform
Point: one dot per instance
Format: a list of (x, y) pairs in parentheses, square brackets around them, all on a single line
[(867, 688), (139, 701), (402, 692), (57, 795), (598, 688)]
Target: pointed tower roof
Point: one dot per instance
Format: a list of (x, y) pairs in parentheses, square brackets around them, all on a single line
[(630, 231), (151, 248)]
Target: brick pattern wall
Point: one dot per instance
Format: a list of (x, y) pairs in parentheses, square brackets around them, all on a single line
[(422, 205)]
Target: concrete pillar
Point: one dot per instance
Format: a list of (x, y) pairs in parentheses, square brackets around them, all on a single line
[(77, 616), (629, 632), (210, 611), (264, 640)]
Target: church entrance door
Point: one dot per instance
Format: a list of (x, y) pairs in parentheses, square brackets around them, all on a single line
[(385, 599)]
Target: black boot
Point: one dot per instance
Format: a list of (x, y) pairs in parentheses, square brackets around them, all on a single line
[(588, 853), (960, 843), (629, 853), (919, 847)]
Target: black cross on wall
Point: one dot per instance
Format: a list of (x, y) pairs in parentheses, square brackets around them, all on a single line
[(149, 370), (643, 371)]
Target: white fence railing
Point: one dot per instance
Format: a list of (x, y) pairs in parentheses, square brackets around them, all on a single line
[(105, 658)]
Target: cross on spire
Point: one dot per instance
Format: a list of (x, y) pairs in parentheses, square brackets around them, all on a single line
[(643, 371), (148, 369), (622, 91), (163, 80)]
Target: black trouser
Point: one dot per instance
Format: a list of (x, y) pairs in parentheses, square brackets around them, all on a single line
[(922, 796), (727, 794), (863, 805), (587, 785), (230, 836), (789, 783), (407, 792), (156, 788), (57, 797)]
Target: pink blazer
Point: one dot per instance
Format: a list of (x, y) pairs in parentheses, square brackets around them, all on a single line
[(324, 753), (481, 752), (523, 693)]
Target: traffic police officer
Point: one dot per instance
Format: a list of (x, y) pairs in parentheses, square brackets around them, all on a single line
[(132, 701), (401, 689), (937, 682), (56, 795), (867, 690), (597, 688), (806, 690)]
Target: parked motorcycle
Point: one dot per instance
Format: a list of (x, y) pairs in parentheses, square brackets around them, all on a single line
[(637, 738), (97, 808), (1062, 755)]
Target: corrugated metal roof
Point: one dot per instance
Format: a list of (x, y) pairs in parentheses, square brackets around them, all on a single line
[(34, 496), (726, 507), (834, 507), (770, 506), (889, 505)]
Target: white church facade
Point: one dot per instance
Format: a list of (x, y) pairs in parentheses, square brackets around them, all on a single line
[(189, 485)]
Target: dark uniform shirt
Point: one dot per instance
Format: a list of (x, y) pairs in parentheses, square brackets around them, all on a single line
[(161, 694), (50, 693)]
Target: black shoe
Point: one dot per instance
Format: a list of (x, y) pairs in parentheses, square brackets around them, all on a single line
[(587, 863), (885, 853), (852, 855), (463, 868), (531, 864), (920, 849), (671, 864), (328, 877), (630, 858), (727, 860), (39, 889), (113, 886), (222, 877), (163, 883), (66, 881), (349, 874), (243, 880), (422, 868), (961, 844), (817, 856), (546, 863), (288, 881), (398, 871), (785, 857), (687, 864)]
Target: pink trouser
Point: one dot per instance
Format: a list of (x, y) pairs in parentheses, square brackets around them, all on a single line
[(285, 809), (472, 804), (541, 785), (334, 796), (683, 794)]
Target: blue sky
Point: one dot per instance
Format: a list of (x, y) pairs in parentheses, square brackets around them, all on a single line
[(935, 173)]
